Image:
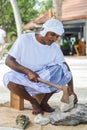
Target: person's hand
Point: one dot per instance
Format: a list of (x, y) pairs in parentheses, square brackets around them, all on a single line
[(32, 76), (75, 98)]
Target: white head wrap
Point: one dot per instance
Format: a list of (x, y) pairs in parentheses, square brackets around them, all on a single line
[(52, 25)]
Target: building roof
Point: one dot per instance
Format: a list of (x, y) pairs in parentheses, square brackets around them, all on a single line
[(74, 9), (37, 22)]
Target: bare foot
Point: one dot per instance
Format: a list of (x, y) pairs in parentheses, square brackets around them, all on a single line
[(36, 109), (46, 108), (65, 97)]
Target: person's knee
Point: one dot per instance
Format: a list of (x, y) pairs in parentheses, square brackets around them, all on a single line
[(12, 85)]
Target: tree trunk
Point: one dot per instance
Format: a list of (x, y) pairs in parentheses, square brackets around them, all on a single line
[(57, 9), (57, 13), (17, 16)]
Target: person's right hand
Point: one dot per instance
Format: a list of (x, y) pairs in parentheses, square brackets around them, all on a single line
[(32, 76)]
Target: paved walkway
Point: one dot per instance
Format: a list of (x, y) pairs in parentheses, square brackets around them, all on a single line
[(78, 66)]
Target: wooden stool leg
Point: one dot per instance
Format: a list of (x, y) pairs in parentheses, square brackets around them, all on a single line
[(16, 102)]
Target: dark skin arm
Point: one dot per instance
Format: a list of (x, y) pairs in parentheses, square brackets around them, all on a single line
[(71, 86), (72, 81), (13, 64)]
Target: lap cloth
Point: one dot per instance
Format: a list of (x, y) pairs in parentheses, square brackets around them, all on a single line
[(57, 74)]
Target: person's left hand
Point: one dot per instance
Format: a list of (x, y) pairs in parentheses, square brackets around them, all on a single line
[(75, 97)]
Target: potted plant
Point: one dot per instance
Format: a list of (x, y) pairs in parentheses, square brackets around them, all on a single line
[(65, 47)]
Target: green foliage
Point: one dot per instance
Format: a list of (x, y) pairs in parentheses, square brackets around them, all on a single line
[(27, 11), (6, 14), (11, 36), (65, 44), (8, 47), (65, 47), (45, 5)]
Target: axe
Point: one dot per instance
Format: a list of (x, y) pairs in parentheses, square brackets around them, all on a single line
[(65, 96)]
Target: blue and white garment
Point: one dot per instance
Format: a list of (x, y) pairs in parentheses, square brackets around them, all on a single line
[(47, 61)]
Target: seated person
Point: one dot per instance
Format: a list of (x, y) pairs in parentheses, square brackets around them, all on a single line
[(37, 55)]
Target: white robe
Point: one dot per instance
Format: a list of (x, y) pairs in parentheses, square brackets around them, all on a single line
[(42, 59)]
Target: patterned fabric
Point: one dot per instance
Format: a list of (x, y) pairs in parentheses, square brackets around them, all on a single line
[(57, 74)]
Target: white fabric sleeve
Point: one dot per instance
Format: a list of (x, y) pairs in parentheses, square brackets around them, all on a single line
[(59, 55), (16, 49)]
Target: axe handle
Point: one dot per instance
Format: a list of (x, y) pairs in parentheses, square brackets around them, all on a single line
[(50, 84)]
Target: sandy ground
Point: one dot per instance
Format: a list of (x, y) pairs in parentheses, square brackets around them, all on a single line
[(8, 117)]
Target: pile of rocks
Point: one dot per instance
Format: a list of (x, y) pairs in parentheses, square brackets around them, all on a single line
[(74, 116)]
